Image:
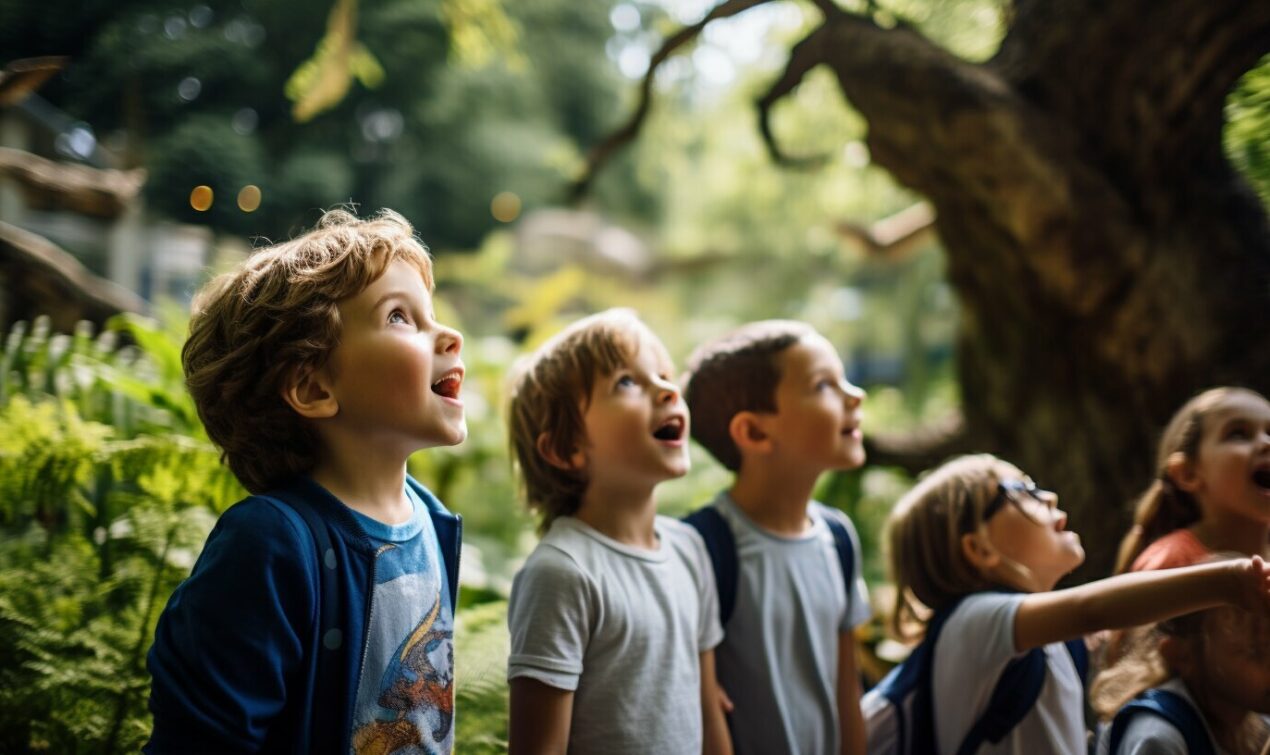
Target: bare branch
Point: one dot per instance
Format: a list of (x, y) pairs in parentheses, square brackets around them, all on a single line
[(602, 152), (805, 56), (895, 236), (922, 449)]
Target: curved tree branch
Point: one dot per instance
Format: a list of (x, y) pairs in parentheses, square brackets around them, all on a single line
[(924, 448), (805, 56)]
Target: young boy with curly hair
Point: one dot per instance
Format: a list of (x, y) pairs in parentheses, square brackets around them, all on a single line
[(319, 616), (613, 625), (770, 401)]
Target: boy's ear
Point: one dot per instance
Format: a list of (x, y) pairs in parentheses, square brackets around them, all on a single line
[(978, 550), (575, 461), (1183, 472), (749, 433), (308, 392)]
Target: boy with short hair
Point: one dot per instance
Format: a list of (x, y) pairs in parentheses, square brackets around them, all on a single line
[(319, 616), (770, 401), (613, 622)]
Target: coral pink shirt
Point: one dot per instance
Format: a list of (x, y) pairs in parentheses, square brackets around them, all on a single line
[(1178, 548)]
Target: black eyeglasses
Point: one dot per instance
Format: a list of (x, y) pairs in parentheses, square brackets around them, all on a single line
[(1007, 490)]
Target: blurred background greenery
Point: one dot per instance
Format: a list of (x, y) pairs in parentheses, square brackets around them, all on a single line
[(471, 118)]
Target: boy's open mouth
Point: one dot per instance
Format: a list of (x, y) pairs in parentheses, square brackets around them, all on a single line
[(1261, 478), (671, 429), (448, 384)]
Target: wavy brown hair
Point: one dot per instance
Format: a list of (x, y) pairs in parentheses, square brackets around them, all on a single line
[(276, 316), (1164, 507)]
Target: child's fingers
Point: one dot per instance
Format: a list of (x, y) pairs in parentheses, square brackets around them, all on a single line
[(725, 702)]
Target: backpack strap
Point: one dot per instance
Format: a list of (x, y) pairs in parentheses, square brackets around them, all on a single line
[(1079, 652), (331, 611), (721, 546), (1015, 694), (846, 551), (1173, 708)]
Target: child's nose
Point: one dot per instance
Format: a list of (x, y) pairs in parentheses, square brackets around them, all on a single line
[(449, 340), (853, 393), (667, 392)]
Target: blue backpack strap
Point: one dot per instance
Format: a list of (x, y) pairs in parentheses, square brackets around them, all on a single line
[(1173, 708), (1015, 694), (922, 678), (721, 545), (846, 551), (1079, 652), (330, 659)]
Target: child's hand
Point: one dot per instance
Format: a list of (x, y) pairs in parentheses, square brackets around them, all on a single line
[(1254, 585), (725, 702)]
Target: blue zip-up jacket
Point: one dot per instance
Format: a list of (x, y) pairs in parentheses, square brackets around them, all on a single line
[(234, 664)]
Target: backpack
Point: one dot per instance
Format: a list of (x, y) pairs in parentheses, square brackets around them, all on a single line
[(1173, 708), (721, 545), (899, 713)]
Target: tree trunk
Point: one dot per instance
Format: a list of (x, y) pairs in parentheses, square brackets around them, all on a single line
[(1108, 260)]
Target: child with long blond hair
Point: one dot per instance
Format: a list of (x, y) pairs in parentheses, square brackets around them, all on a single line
[(1212, 486), (977, 546)]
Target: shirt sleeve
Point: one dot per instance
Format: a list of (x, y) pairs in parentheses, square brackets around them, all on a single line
[(232, 634), (859, 610), (989, 618), (550, 618), (710, 631)]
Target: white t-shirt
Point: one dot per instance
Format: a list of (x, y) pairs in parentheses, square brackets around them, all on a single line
[(779, 657), (1149, 734), (621, 627), (973, 649)]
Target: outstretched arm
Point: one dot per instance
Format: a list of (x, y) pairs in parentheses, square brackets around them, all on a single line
[(540, 718), (716, 740), (1139, 598), (850, 720)]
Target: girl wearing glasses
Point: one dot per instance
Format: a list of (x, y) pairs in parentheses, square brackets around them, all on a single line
[(976, 541)]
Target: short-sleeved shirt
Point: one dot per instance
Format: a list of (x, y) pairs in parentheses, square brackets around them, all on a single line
[(1149, 734), (405, 697), (623, 628), (779, 657), (972, 650), (1178, 548)]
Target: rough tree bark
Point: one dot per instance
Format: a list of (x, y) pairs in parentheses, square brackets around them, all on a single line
[(1108, 260)]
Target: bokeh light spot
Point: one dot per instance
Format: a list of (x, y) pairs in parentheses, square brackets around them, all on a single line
[(201, 198), (249, 198), (505, 207)]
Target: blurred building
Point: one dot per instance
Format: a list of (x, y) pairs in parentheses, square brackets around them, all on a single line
[(75, 240)]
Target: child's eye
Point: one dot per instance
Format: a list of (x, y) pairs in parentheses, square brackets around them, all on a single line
[(398, 317), (624, 381), (1238, 432)]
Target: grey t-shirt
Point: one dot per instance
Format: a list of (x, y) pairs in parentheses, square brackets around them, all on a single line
[(1148, 734), (621, 627), (779, 657), (973, 649)]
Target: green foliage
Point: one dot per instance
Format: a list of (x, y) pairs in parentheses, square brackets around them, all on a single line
[(105, 498), (1247, 124), (460, 100)]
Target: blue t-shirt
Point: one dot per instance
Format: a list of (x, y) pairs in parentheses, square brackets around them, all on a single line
[(405, 697)]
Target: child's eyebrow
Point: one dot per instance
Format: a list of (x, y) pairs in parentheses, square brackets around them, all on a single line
[(404, 295)]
